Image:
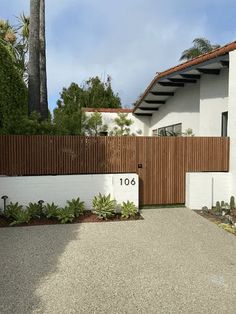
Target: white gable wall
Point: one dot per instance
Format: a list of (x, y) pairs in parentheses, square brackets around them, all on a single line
[(140, 123), (213, 101), (183, 108)]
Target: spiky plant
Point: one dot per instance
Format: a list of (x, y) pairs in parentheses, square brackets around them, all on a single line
[(104, 206), (128, 209), (77, 206)]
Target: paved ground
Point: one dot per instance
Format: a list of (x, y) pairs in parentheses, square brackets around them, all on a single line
[(174, 261)]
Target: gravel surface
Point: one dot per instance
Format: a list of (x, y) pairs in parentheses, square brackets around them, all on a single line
[(174, 261)]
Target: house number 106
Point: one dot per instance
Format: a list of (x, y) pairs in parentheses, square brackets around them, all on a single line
[(127, 181)]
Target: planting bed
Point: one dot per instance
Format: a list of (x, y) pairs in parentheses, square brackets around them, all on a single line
[(217, 219), (88, 216)]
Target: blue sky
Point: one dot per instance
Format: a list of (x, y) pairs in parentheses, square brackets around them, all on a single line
[(128, 39)]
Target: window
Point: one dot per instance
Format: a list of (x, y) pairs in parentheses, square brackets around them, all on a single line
[(224, 123), (170, 130)]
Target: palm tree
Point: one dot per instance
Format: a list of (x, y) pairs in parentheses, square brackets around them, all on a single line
[(7, 33), (42, 63), (16, 41), (34, 72), (200, 46)]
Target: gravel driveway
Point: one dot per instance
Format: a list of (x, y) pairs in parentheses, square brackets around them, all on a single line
[(174, 261)]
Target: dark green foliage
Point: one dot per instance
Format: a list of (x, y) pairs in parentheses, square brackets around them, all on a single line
[(17, 214), (76, 206), (65, 215), (33, 125), (35, 210), (69, 118), (13, 95), (98, 94), (50, 210), (104, 206), (128, 209)]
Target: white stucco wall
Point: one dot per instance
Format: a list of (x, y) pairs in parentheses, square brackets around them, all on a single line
[(183, 108), (213, 101), (232, 118), (140, 123), (206, 188), (59, 189), (198, 106)]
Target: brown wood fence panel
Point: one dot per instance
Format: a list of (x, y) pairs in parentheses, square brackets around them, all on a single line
[(164, 160)]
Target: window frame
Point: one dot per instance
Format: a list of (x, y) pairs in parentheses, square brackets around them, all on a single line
[(170, 126)]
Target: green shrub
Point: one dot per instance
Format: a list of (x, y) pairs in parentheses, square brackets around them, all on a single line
[(76, 206), (128, 209), (17, 214), (13, 94), (50, 210), (65, 215), (103, 206), (12, 209), (35, 210)]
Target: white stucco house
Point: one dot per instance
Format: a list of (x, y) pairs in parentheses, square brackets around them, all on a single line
[(194, 94), (200, 95)]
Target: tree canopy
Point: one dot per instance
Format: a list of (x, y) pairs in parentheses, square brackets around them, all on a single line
[(200, 46), (94, 93), (69, 117)]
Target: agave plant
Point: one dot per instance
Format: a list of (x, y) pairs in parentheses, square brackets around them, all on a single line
[(50, 210), (128, 209), (104, 206), (65, 215), (17, 214), (76, 206), (35, 210)]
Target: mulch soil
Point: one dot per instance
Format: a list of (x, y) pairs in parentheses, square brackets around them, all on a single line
[(212, 217), (87, 217)]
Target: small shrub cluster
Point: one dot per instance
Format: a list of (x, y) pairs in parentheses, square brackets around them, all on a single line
[(103, 206), (226, 212), (19, 215), (223, 208)]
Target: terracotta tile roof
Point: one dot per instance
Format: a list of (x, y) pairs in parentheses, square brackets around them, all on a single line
[(198, 60), (111, 110)]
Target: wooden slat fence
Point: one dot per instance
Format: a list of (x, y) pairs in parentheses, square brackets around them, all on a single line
[(164, 160)]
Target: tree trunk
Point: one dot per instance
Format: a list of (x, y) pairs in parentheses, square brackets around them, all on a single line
[(43, 71), (34, 75)]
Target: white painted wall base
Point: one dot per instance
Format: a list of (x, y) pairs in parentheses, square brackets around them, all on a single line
[(206, 188), (59, 189)]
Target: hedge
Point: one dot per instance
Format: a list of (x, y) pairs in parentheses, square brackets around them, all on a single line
[(13, 94)]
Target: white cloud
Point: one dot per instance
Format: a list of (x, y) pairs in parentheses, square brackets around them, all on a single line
[(130, 40)]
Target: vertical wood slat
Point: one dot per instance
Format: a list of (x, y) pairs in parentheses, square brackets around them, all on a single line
[(165, 160)]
